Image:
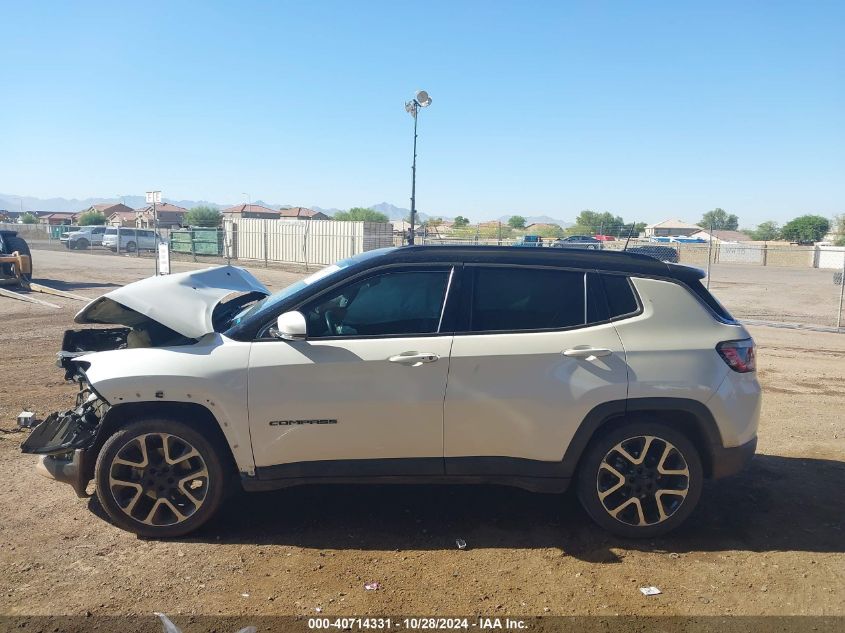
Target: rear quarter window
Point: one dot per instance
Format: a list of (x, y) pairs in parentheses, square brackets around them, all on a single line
[(712, 302)]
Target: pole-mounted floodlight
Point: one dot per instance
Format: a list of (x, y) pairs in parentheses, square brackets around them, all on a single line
[(412, 107)]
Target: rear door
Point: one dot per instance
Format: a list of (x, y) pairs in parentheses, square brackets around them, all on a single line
[(536, 354)]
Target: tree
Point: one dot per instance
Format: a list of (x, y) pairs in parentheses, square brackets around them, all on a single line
[(92, 218), (516, 222), (29, 218), (593, 222), (360, 214), (805, 229), (549, 231), (719, 219), (839, 230), (765, 231), (203, 216), (460, 222)]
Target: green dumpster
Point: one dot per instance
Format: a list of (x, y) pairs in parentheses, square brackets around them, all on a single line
[(198, 241)]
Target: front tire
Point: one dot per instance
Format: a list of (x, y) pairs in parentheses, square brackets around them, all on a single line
[(640, 480), (81, 244), (160, 478)]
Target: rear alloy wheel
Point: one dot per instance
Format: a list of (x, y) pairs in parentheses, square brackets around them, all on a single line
[(641, 480), (159, 478)]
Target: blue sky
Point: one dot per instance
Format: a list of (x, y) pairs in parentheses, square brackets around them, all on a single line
[(646, 109)]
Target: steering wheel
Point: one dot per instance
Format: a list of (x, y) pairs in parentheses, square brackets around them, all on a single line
[(331, 322)]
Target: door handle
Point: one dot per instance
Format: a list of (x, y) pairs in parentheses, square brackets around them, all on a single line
[(587, 353), (414, 359)]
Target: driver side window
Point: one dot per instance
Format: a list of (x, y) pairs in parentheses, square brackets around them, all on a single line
[(390, 303)]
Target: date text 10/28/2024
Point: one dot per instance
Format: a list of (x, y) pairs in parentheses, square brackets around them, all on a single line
[(418, 624)]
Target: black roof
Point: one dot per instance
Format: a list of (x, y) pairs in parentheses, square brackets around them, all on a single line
[(603, 260)]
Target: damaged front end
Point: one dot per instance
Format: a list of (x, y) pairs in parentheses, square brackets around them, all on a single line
[(63, 440)]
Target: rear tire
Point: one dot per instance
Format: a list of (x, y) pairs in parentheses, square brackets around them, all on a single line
[(17, 244), (640, 480), (160, 478), (130, 247)]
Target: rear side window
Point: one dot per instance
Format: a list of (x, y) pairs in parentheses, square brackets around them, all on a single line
[(698, 288), (520, 299), (621, 299)]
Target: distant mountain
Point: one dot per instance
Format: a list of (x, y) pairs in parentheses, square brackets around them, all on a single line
[(12, 202), (539, 219)]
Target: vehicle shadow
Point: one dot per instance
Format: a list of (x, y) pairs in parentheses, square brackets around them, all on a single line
[(778, 503), (68, 286)]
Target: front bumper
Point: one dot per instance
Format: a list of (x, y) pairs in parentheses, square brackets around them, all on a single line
[(68, 468), (730, 461)]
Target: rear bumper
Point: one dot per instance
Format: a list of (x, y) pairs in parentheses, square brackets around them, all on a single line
[(730, 461)]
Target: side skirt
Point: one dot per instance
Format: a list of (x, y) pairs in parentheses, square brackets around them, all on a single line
[(549, 485), (536, 476)]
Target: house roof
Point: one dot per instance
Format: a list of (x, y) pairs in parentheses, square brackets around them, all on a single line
[(123, 215), (59, 215), (673, 224), (161, 208), (725, 236), (299, 212), (250, 208), (106, 208)]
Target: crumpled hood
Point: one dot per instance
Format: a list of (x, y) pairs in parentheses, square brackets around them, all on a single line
[(183, 302)]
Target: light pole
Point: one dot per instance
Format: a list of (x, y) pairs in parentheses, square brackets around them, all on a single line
[(155, 198), (412, 107)]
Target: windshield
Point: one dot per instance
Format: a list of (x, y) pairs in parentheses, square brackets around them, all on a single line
[(267, 305)]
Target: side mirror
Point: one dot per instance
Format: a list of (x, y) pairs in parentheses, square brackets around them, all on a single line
[(291, 326)]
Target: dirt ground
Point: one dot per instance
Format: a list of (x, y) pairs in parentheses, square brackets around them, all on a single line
[(769, 541)]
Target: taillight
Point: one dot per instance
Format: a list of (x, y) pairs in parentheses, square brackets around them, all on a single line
[(739, 355)]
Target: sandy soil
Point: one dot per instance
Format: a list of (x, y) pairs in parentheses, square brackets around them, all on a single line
[(769, 541)]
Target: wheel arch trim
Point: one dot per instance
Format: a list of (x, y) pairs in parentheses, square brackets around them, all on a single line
[(704, 432), (117, 415)]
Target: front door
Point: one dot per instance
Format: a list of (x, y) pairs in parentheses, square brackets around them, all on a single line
[(363, 395), (537, 354)]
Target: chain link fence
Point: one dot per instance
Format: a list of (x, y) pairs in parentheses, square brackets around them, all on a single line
[(764, 282), (772, 282)]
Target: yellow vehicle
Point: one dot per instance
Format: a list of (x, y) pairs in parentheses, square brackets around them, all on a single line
[(15, 259)]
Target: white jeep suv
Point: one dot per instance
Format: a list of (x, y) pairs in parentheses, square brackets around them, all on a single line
[(534, 368)]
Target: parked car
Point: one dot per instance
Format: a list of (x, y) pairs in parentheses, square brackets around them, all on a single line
[(578, 241), (531, 241), (130, 239), (663, 253), (611, 371), (605, 238), (84, 237)]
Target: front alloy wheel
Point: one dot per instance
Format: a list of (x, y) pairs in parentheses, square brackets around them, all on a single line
[(640, 480), (159, 478)]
